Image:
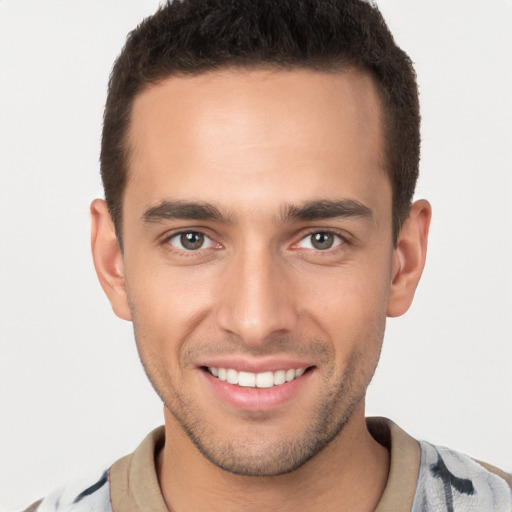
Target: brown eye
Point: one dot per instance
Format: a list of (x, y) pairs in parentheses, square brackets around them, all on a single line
[(320, 241), (190, 241)]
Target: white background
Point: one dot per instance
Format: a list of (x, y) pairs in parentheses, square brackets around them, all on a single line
[(73, 395)]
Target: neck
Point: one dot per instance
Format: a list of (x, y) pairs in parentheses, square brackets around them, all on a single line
[(349, 474)]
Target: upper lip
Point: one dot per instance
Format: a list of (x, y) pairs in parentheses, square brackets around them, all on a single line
[(255, 365)]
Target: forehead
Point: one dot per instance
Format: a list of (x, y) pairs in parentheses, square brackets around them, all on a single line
[(249, 133)]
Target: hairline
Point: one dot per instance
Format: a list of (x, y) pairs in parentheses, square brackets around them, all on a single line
[(327, 66)]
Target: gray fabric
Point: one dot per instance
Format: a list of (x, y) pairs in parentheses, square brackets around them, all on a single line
[(89, 495), (449, 481)]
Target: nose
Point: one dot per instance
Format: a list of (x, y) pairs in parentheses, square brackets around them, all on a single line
[(257, 299)]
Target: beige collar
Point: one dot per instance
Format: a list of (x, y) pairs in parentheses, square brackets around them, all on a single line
[(134, 483), (398, 495), (133, 479)]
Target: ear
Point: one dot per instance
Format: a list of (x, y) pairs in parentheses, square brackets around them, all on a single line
[(409, 258), (108, 259)]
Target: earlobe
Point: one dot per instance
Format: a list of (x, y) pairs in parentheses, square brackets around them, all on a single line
[(409, 258), (108, 259)]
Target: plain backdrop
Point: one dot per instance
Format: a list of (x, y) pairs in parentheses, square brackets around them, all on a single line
[(73, 394)]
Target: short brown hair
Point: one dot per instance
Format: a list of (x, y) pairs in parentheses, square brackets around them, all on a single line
[(189, 37)]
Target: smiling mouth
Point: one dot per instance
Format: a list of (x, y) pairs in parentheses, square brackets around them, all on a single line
[(255, 380)]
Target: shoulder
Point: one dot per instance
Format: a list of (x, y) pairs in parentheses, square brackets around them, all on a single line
[(449, 480), (128, 483), (497, 471), (89, 494)]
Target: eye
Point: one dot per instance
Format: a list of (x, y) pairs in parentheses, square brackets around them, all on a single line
[(191, 241), (320, 241)]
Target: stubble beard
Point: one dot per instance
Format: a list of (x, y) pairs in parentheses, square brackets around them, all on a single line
[(254, 455)]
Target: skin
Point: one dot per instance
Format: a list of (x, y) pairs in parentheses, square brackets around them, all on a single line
[(255, 145)]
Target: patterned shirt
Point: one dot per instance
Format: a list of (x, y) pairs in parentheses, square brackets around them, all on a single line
[(422, 478)]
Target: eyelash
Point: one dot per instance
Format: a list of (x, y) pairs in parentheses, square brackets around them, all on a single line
[(190, 252), (342, 240), (166, 242)]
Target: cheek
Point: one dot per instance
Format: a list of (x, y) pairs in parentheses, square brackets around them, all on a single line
[(166, 304), (353, 287), (350, 306), (161, 290)]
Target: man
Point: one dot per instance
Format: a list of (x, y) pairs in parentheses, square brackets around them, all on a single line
[(259, 161)]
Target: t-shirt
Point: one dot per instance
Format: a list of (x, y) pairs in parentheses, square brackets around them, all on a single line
[(422, 478)]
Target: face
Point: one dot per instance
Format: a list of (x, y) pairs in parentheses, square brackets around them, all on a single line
[(258, 257)]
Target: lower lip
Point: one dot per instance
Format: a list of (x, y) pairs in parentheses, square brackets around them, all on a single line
[(256, 399)]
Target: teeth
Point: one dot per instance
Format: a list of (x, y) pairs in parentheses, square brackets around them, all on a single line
[(256, 380), (246, 379), (279, 377), (232, 376), (265, 380)]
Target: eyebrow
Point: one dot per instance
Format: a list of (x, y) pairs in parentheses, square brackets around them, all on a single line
[(308, 211), (325, 209), (170, 210)]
